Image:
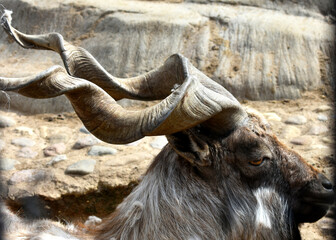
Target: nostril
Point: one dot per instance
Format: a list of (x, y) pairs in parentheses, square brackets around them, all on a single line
[(325, 182), (327, 185)]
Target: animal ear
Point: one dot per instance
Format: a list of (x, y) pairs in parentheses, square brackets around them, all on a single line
[(191, 147)]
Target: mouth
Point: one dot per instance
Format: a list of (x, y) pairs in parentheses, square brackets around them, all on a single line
[(311, 213), (326, 198), (312, 208)]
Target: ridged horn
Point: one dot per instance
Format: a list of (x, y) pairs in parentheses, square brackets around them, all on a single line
[(154, 85), (188, 105), (197, 99)]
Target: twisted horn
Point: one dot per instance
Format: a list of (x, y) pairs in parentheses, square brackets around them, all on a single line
[(188, 105), (197, 100), (154, 85)]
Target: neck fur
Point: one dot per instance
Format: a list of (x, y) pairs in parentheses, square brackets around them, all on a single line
[(171, 202)]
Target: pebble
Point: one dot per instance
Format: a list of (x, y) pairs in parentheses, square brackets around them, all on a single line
[(28, 175), (84, 130), (327, 140), (159, 142), (296, 120), (55, 149), (24, 131), (82, 167), (6, 122), (290, 131), (323, 108), (317, 129), (57, 138), (302, 140), (85, 142), (322, 118), (102, 150), (7, 163), (272, 116), (23, 142), (43, 131), (318, 146), (2, 145), (57, 159), (27, 152)]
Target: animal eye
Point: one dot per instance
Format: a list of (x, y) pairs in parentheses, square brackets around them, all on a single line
[(258, 161)]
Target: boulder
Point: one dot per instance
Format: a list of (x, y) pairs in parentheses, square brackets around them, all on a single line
[(257, 49), (81, 167)]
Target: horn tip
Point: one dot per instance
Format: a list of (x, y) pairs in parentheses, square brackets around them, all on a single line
[(6, 16)]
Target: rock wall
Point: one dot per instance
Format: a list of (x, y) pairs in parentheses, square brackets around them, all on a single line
[(258, 50), (310, 8)]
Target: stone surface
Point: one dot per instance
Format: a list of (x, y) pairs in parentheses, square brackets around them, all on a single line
[(292, 7), (296, 120), (302, 140), (7, 164), (328, 140), (24, 131), (317, 129), (319, 147), (82, 167), (6, 122), (272, 116), (29, 175), (86, 141), (322, 117), (58, 138), (290, 132), (26, 152), (54, 149), (2, 145), (101, 150), (43, 131), (323, 108), (57, 159), (253, 49), (159, 142), (23, 142)]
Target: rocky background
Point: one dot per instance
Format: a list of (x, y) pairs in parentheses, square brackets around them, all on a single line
[(259, 50), (279, 54)]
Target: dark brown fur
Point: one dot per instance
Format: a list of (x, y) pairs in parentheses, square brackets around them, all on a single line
[(172, 200)]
